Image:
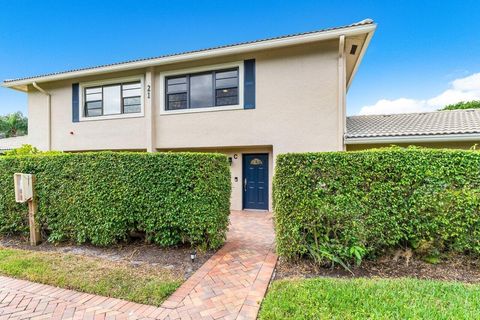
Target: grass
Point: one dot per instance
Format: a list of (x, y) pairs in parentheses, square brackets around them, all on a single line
[(142, 284), (325, 298)]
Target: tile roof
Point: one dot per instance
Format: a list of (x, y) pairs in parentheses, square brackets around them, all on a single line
[(414, 124), (360, 23)]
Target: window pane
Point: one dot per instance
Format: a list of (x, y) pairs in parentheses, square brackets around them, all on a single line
[(226, 92), (94, 112), (94, 105), (93, 90), (132, 93), (177, 101), (177, 88), (111, 100), (93, 109), (226, 83), (226, 97), (128, 86), (177, 97), (201, 91), (134, 108), (130, 101), (227, 101), (177, 80), (93, 97), (226, 74)]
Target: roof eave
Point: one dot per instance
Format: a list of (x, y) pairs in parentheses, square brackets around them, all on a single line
[(414, 139), (237, 49), (22, 88), (361, 55)]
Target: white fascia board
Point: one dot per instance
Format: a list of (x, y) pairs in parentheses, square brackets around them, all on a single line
[(235, 49), (415, 139)]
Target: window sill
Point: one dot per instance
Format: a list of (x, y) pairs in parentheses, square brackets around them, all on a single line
[(200, 110), (113, 117)]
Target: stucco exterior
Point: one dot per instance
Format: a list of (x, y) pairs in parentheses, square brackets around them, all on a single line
[(297, 109), (300, 88), (297, 91)]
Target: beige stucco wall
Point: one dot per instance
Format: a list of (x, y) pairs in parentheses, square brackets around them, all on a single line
[(437, 145), (112, 134), (297, 109)]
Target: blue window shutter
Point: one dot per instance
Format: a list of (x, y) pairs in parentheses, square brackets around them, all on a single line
[(75, 102), (249, 84)]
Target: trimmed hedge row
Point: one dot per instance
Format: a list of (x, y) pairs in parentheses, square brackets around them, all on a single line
[(102, 197), (344, 206)]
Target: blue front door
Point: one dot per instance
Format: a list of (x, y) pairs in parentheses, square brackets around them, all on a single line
[(255, 181)]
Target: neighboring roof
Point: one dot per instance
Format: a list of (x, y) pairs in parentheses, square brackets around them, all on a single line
[(364, 26), (12, 143), (401, 126)]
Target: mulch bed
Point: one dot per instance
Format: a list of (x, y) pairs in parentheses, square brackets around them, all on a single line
[(452, 268), (136, 253)]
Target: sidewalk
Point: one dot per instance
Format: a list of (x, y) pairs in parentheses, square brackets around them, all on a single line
[(230, 285)]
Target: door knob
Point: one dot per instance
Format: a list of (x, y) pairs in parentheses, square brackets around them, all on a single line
[(245, 184)]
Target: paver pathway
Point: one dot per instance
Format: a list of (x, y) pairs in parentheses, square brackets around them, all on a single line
[(230, 285)]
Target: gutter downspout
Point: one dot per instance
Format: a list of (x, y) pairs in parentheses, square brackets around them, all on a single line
[(342, 88), (49, 112), (150, 107)]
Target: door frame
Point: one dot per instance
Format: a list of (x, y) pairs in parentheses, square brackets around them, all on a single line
[(267, 166)]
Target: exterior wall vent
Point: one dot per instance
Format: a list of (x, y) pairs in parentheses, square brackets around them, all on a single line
[(353, 49)]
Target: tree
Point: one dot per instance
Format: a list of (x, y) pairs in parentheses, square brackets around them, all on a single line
[(13, 125), (474, 104)]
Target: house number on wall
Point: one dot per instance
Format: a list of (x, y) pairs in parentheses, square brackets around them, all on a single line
[(148, 91)]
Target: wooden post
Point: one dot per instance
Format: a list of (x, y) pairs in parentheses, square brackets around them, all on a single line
[(35, 236)]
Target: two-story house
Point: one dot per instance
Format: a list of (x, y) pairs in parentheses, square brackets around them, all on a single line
[(250, 100)]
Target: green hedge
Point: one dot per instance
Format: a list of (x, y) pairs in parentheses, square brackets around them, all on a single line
[(343, 206), (102, 197)]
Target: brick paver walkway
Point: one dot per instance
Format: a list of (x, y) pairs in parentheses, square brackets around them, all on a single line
[(230, 285)]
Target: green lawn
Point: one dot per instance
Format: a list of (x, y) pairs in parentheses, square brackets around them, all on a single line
[(141, 284), (325, 298)]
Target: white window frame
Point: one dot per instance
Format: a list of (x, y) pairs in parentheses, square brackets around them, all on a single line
[(216, 67), (89, 84)]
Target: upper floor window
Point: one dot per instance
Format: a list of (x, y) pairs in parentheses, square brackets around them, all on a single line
[(202, 90), (113, 99)]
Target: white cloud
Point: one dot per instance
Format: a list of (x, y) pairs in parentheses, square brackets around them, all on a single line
[(463, 89)]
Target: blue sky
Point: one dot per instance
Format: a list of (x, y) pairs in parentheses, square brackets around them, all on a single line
[(424, 53)]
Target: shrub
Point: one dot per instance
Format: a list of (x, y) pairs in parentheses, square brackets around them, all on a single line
[(343, 206), (25, 149), (102, 197)]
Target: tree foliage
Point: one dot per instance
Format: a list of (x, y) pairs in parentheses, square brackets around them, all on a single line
[(474, 104), (13, 125)]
